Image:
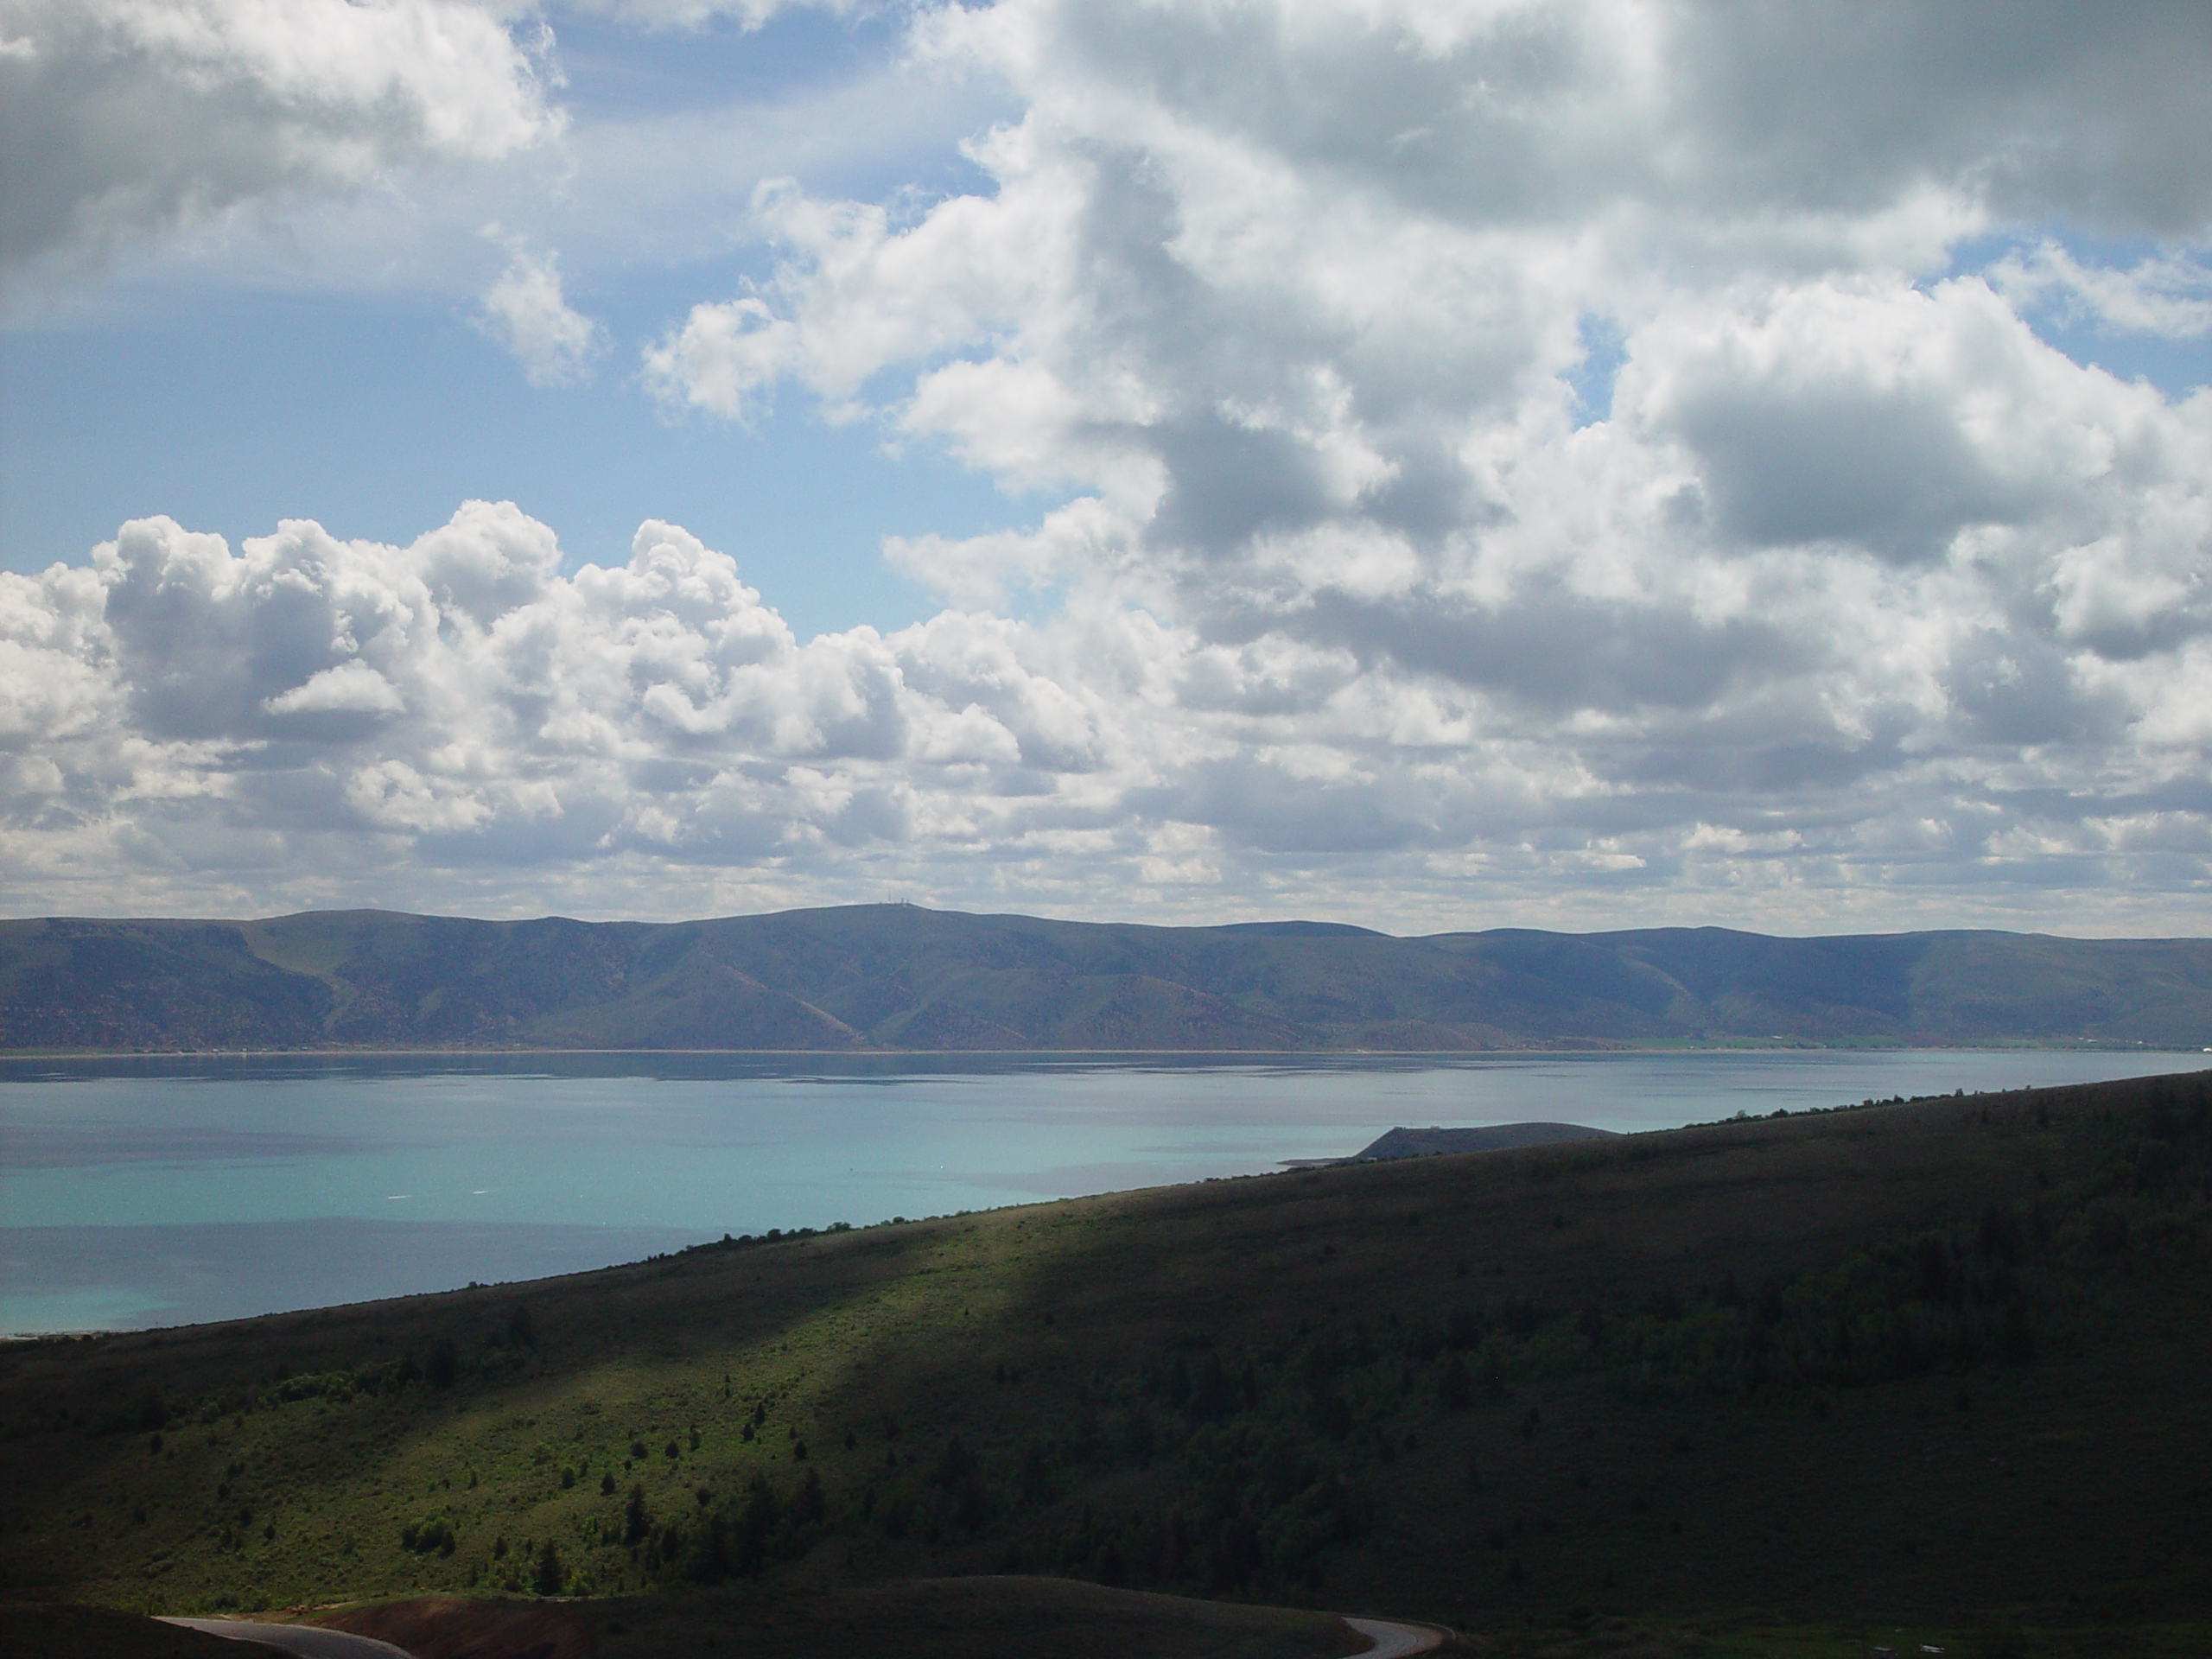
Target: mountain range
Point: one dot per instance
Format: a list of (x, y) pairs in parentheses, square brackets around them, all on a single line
[(895, 977)]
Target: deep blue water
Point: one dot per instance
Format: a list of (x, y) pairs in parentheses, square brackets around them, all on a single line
[(162, 1192)]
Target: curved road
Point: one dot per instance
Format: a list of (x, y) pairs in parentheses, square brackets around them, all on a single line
[(1392, 1640), (1387, 1639), (306, 1641)]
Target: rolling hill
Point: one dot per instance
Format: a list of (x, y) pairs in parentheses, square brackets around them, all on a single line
[(1933, 1365), (899, 977)]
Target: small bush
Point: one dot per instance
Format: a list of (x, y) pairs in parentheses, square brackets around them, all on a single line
[(431, 1534)]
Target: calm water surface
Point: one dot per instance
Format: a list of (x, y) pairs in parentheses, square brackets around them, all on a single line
[(160, 1192)]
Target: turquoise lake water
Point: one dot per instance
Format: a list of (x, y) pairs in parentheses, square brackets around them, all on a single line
[(164, 1192)]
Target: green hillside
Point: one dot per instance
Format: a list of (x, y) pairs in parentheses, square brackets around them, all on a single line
[(1937, 1364), (892, 977)]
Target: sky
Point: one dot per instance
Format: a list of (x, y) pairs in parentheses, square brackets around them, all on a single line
[(1583, 464)]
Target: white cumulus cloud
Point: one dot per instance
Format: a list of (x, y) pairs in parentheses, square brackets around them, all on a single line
[(1299, 298), (527, 313), (2169, 294), (120, 119), (690, 14), (1531, 462)]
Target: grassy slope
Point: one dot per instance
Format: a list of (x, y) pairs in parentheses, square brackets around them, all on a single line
[(897, 976), (1943, 1360)]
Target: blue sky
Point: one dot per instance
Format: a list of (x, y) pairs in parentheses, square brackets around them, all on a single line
[(106, 394), (1568, 463), (105, 421)]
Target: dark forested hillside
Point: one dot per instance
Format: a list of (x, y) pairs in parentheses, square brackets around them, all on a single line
[(895, 976)]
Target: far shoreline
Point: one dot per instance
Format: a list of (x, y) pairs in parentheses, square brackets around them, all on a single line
[(2023, 1045)]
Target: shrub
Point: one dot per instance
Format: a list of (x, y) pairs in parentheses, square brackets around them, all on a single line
[(548, 1578), (430, 1533)]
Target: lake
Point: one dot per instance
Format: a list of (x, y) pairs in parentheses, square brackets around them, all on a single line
[(165, 1191)]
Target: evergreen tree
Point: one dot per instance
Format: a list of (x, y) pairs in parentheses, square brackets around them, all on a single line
[(548, 1578)]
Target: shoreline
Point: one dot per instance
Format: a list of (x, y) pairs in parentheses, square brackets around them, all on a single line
[(1280, 1168)]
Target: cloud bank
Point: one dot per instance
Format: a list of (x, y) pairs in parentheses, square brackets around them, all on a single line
[(123, 120), (1532, 462)]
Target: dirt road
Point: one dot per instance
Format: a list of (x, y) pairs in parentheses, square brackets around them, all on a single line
[(1393, 1641), (308, 1641)]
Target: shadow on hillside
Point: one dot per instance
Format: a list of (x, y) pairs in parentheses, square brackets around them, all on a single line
[(1935, 1356)]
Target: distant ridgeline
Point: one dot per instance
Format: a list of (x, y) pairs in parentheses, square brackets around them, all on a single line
[(896, 977)]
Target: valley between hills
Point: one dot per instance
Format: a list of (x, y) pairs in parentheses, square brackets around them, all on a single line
[(1926, 1371)]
